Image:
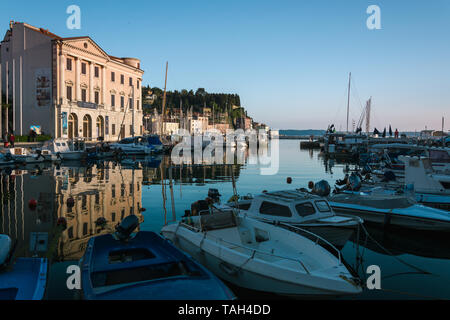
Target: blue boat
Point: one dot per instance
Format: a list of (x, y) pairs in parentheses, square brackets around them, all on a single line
[(22, 279), (155, 142), (144, 266)]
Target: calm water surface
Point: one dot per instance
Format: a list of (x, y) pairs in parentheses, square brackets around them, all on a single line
[(413, 265)]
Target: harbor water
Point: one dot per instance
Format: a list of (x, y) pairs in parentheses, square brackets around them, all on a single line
[(93, 198)]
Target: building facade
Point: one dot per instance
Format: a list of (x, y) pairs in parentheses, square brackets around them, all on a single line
[(67, 87)]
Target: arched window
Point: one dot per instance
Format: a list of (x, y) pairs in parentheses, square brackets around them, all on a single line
[(87, 126), (73, 126), (100, 126)]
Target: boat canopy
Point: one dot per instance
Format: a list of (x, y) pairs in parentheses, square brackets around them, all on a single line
[(289, 206)]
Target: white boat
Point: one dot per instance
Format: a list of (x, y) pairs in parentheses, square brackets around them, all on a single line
[(133, 146), (260, 256), (67, 149), (23, 156), (300, 209), (390, 209)]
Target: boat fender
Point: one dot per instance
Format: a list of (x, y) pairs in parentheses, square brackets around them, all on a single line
[(32, 204)]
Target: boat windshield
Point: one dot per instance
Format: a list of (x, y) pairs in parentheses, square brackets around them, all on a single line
[(305, 209), (323, 206)]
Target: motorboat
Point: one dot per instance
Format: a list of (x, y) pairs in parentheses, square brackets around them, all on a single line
[(133, 146), (21, 278), (390, 209), (23, 156), (144, 266), (155, 143), (67, 149), (259, 256), (294, 208), (6, 159), (101, 151)]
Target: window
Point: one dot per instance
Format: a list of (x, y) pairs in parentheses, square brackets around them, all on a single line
[(131, 130), (113, 77), (131, 81), (69, 93), (113, 101), (113, 129), (137, 104), (83, 95), (141, 134), (69, 64), (122, 190), (323, 206), (137, 83), (83, 68), (122, 103), (305, 209), (96, 72), (130, 103), (97, 97), (122, 79), (113, 191), (275, 209)]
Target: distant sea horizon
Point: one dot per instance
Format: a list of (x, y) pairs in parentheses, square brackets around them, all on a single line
[(318, 132)]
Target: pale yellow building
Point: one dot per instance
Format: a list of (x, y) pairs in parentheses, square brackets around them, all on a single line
[(69, 87)]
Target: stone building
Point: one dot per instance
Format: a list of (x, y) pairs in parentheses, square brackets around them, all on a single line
[(67, 87)]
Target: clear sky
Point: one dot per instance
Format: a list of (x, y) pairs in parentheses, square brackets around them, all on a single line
[(288, 60)]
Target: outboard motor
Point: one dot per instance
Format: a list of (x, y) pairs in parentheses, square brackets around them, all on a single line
[(214, 195), (126, 227), (322, 188), (354, 182)]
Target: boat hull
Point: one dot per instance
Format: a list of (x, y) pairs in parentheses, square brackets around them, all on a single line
[(391, 218), (258, 281)]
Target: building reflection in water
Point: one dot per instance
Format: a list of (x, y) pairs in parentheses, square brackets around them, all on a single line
[(92, 200)]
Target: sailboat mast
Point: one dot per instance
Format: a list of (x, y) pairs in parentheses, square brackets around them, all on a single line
[(348, 98), (164, 103)]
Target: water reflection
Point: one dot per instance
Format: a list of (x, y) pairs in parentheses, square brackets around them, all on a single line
[(92, 198), (74, 202)]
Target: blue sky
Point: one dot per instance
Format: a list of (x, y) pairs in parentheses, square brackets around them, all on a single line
[(288, 60)]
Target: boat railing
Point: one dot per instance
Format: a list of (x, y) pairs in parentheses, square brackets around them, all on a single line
[(318, 238), (253, 251)]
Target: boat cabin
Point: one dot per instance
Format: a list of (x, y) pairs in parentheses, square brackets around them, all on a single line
[(291, 206)]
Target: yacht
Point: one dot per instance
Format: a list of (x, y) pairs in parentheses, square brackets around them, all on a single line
[(259, 256), (133, 146), (67, 149)]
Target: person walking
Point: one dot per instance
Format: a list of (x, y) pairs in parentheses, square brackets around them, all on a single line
[(12, 140)]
